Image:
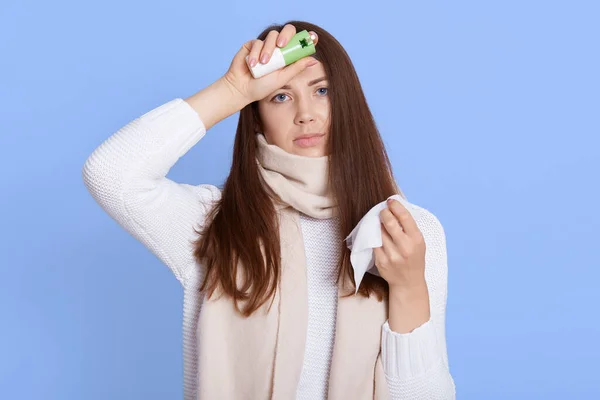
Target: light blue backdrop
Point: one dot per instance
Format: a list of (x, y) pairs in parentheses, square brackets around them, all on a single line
[(491, 115)]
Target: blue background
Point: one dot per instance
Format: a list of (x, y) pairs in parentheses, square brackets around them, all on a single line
[(490, 112)]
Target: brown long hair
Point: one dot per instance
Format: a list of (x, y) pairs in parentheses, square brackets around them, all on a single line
[(244, 219)]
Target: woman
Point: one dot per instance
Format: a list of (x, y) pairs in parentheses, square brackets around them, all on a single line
[(269, 304)]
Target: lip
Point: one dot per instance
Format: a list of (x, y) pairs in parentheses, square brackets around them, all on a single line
[(308, 136), (309, 140)]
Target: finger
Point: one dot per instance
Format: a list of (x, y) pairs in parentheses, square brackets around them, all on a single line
[(247, 46), (287, 73), (316, 37), (285, 35), (268, 47), (404, 217), (392, 225), (399, 242), (380, 257), (387, 241), (243, 52), (257, 46)]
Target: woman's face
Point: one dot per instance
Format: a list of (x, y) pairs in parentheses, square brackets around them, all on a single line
[(301, 107)]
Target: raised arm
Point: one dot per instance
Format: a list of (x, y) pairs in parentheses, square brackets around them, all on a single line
[(126, 174)]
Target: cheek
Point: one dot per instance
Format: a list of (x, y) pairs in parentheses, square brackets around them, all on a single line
[(277, 119), (276, 127), (326, 116), (271, 126), (326, 108)]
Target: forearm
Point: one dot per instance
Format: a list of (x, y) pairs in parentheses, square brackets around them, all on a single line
[(216, 102), (408, 308), (413, 349)]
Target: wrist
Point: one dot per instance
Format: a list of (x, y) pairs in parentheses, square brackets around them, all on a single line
[(216, 102), (236, 96), (408, 307), (408, 291)]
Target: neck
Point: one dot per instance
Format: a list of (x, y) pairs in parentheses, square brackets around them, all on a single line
[(301, 182)]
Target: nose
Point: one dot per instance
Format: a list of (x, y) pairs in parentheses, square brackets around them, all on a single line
[(304, 114), (304, 119)]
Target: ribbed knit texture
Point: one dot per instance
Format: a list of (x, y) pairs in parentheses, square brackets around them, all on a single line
[(126, 175), (322, 255)]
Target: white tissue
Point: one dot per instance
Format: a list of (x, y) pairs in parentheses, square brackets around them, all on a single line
[(365, 236)]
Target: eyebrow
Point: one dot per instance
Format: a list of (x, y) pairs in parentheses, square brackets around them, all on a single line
[(309, 83)]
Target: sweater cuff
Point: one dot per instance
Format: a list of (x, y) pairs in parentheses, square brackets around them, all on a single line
[(405, 355)]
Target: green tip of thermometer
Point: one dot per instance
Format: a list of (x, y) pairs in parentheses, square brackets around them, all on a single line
[(300, 45)]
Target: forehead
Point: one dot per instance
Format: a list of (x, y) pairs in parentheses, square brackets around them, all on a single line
[(310, 73)]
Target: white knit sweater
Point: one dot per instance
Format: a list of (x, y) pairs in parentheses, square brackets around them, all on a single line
[(126, 175)]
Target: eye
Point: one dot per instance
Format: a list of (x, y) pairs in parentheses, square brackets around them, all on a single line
[(278, 99), (277, 95)]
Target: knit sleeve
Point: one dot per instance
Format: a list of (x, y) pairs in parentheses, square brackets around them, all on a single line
[(416, 363), (126, 175)]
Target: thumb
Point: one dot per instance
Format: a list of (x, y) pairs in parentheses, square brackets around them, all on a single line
[(295, 68)]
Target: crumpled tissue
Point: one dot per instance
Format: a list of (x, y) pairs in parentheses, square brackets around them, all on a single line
[(365, 236)]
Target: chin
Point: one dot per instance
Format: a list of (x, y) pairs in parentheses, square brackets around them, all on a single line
[(311, 152)]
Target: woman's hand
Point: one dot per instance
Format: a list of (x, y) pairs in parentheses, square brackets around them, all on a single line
[(240, 78), (401, 259)]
